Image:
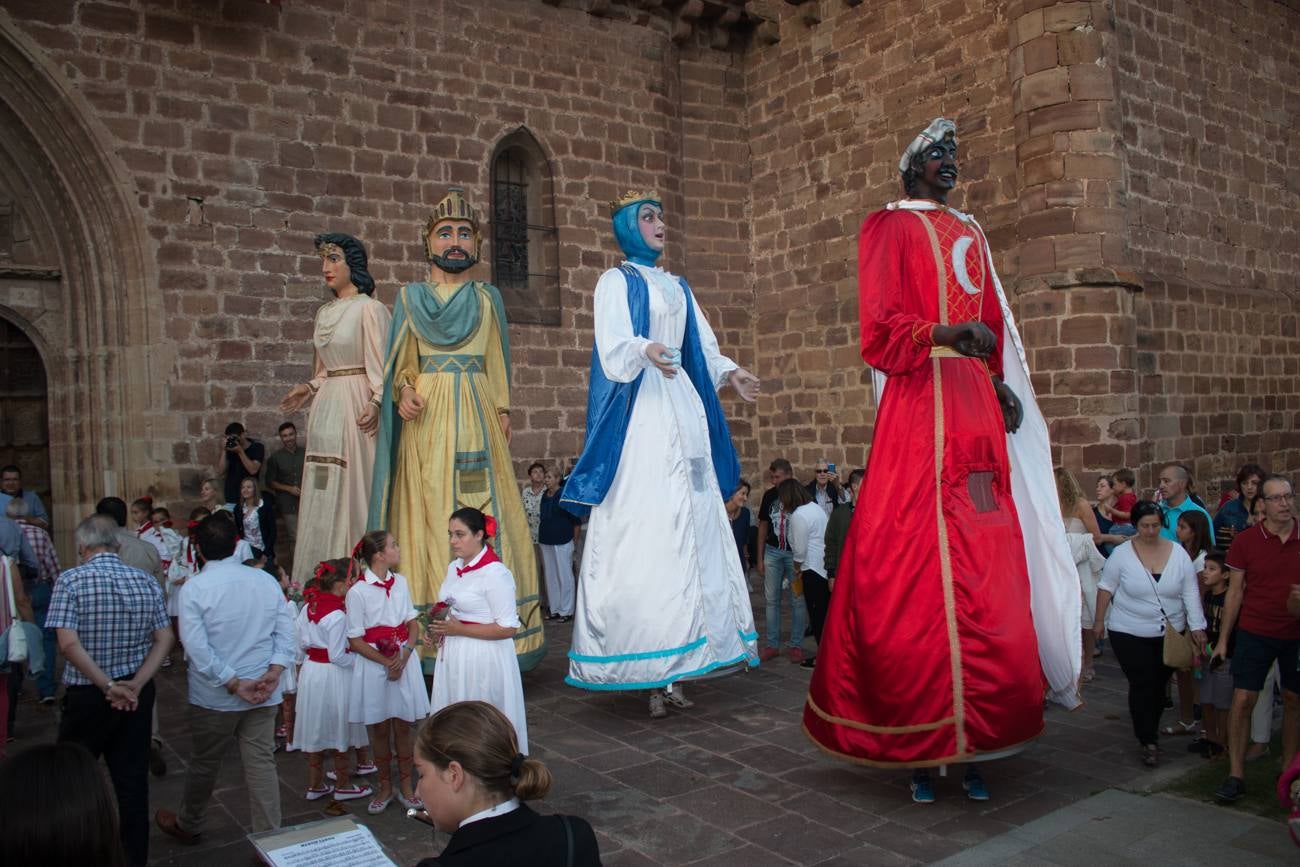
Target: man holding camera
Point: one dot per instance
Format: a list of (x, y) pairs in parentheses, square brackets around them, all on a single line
[(241, 458)]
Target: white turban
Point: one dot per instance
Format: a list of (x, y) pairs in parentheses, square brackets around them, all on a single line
[(939, 129)]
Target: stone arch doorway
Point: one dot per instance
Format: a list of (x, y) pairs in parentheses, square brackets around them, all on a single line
[(75, 280), (24, 424)]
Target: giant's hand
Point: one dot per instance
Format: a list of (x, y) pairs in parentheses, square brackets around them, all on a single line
[(296, 399), (974, 339), (504, 418), (411, 405), (368, 421), (745, 384), (1013, 411), (664, 359)]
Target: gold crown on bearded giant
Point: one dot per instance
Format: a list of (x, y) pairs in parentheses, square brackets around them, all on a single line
[(632, 196), (453, 206)]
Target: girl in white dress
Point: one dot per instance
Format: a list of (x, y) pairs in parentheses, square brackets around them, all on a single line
[(387, 691), (185, 566), (476, 660), (324, 684)]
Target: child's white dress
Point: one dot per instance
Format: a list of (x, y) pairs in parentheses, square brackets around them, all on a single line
[(321, 720), (373, 697), (474, 668)]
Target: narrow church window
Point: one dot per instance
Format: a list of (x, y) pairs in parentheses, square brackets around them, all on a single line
[(525, 247)]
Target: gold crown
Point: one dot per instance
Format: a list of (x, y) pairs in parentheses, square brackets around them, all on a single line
[(632, 196), (329, 249), (452, 207)]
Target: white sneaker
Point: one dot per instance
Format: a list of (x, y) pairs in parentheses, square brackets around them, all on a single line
[(657, 710), (677, 696)]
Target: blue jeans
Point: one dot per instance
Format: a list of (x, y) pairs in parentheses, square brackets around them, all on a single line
[(778, 566), (40, 592)]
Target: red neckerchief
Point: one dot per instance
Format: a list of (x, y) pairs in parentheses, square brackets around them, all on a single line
[(143, 528), (488, 556), (387, 585), (323, 604)]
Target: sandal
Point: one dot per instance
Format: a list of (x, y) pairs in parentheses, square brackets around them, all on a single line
[(412, 803), (378, 805), (1088, 675), (1180, 728), (1150, 755)]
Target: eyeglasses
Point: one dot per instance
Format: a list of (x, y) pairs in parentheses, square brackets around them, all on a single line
[(822, 470), (1280, 498)]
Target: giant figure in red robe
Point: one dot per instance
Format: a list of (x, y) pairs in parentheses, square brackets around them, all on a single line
[(931, 650)]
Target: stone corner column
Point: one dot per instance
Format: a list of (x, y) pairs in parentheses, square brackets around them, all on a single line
[(1071, 269)]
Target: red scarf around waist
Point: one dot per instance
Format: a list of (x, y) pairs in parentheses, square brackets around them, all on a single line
[(388, 640), (318, 654)]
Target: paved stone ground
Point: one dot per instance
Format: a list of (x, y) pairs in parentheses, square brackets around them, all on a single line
[(734, 781)]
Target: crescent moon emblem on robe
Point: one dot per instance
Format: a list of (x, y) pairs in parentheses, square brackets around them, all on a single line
[(959, 248)]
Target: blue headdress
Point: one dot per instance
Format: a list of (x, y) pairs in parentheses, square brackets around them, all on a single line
[(626, 231)]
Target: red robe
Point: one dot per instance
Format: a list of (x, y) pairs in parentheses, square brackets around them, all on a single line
[(929, 654)]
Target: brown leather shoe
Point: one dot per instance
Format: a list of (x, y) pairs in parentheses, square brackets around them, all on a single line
[(166, 822)]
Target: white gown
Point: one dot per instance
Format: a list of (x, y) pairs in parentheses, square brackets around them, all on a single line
[(661, 597), (474, 669), (321, 715), (373, 698)]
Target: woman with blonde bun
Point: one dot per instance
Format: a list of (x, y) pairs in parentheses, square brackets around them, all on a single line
[(474, 780)]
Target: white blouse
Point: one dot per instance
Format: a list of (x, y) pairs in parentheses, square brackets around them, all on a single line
[(330, 632), (485, 595), (369, 606), (1135, 609)]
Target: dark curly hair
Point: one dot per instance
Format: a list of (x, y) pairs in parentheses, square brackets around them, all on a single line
[(354, 254)]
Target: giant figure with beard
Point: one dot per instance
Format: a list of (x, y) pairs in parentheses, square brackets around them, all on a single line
[(444, 427)]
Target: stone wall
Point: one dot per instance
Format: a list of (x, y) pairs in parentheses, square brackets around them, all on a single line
[(1209, 104), (1128, 161), (832, 104), (245, 127)]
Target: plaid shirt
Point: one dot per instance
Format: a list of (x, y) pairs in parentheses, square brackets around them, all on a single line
[(114, 609), (47, 562)]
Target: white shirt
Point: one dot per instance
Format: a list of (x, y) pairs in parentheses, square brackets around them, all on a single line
[(485, 595), (330, 633), (1134, 608), (499, 810), (369, 606), (807, 537), (235, 623)]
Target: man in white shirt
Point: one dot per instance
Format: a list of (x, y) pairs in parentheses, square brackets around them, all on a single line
[(239, 638)]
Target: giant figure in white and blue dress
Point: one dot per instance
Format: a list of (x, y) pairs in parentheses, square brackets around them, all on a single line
[(662, 597)]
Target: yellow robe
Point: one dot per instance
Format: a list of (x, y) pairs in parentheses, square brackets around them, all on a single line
[(454, 455)]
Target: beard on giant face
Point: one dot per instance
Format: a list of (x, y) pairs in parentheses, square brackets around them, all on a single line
[(451, 263)]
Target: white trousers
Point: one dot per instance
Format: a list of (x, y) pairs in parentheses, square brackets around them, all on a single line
[(557, 564)]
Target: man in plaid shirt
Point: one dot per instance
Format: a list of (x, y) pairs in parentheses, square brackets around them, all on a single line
[(114, 631), (39, 584)]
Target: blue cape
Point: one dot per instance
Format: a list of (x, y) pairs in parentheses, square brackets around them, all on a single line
[(609, 409)]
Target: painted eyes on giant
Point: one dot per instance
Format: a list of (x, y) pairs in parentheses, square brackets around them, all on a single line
[(649, 213), (938, 152), (463, 233), (335, 258)]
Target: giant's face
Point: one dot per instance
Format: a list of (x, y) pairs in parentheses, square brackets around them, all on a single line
[(334, 268), (650, 223), (939, 166), (452, 246)]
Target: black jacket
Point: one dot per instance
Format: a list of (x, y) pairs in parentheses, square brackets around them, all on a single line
[(265, 520), (521, 836)]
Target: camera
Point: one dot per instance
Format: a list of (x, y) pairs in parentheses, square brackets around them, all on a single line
[(232, 440)]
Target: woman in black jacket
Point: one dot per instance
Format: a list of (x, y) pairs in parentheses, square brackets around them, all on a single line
[(473, 779), (255, 520)]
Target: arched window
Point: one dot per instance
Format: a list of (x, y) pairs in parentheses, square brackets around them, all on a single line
[(525, 247)]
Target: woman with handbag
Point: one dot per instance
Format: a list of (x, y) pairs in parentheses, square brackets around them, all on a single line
[(1148, 599)]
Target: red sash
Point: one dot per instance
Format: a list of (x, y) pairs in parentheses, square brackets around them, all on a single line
[(318, 654), (388, 640)]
